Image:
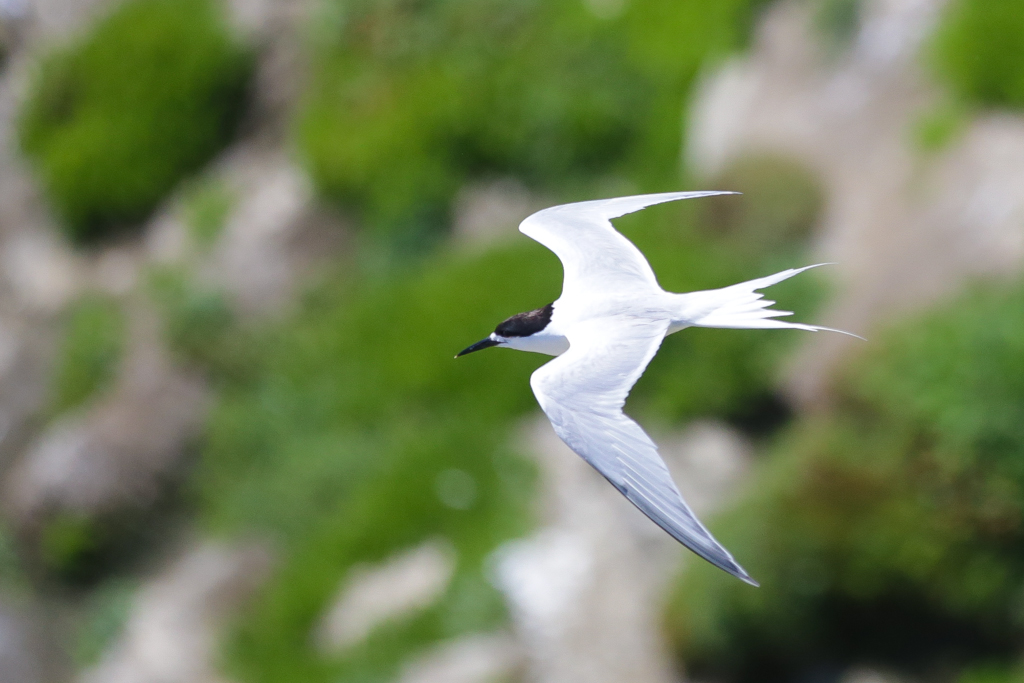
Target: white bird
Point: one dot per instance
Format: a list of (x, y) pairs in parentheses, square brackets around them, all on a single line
[(604, 329)]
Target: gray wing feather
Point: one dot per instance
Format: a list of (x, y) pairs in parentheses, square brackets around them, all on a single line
[(582, 393)]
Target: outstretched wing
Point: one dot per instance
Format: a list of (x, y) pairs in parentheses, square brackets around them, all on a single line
[(595, 256), (583, 391)]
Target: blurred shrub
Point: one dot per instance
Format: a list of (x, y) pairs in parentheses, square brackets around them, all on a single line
[(978, 51), (147, 97), (94, 339), (409, 99), (891, 531)]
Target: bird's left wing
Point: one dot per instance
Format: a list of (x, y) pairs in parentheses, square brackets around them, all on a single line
[(595, 256), (583, 391)]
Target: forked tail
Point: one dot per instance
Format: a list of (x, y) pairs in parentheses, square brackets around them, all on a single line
[(740, 306)]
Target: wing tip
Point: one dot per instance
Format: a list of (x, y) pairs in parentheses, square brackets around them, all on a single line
[(746, 578), (645, 201), (731, 567), (819, 328)]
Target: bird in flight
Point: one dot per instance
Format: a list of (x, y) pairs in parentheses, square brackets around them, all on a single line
[(604, 329)]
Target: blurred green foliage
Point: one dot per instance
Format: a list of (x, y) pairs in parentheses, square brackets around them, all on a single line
[(104, 614), (207, 207), (410, 99), (978, 51), (116, 119), (94, 340), (937, 128), (199, 325), (993, 672), (69, 543), (838, 21), (892, 530), (13, 579)]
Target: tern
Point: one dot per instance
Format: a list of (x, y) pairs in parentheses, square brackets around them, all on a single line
[(604, 329)]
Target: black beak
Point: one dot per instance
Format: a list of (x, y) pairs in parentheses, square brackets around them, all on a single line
[(482, 344)]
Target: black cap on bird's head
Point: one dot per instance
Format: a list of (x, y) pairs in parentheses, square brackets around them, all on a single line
[(519, 325)]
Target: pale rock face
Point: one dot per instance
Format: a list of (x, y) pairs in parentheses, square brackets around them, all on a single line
[(374, 595), (708, 460), (863, 674), (40, 270), (273, 196), (173, 630), (479, 658), (490, 212), (22, 650), (57, 19), (116, 453), (274, 233), (904, 226)]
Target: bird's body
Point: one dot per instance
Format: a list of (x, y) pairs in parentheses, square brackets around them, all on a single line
[(604, 329)]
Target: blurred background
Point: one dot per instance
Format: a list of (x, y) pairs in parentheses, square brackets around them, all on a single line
[(240, 241)]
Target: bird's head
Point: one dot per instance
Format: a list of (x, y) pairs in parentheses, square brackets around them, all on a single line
[(524, 331)]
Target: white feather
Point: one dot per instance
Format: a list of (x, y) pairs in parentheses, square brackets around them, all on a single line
[(614, 315)]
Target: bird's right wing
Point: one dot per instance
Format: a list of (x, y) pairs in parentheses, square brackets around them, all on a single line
[(594, 255), (582, 392)]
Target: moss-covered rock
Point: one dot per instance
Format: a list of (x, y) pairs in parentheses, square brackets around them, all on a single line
[(146, 97)]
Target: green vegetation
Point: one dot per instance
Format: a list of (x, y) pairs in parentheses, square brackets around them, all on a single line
[(13, 579), (115, 120), (891, 531), (104, 615), (838, 21), (198, 324), (207, 207), (69, 544), (936, 129), (94, 339), (410, 99), (979, 53)]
